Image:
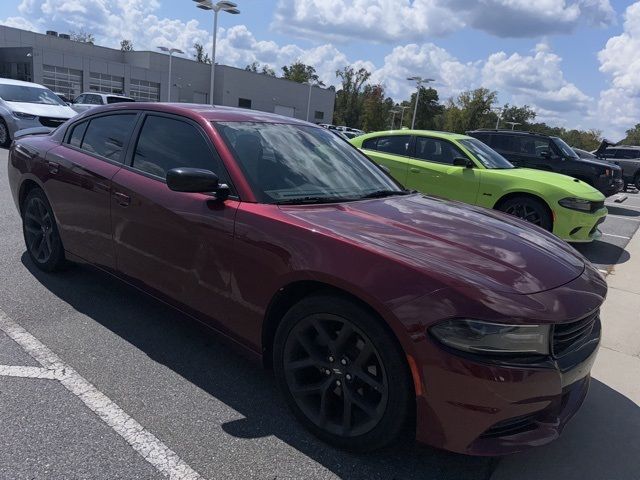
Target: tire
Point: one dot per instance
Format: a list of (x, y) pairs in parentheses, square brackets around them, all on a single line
[(326, 352), (5, 138), (636, 182), (40, 231), (528, 209)]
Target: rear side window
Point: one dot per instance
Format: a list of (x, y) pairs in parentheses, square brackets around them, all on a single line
[(396, 144), (627, 153), (370, 143), (503, 143), (75, 139), (107, 136), (167, 143)]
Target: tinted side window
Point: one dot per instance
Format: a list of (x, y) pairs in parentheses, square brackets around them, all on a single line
[(370, 143), (525, 145), (75, 139), (503, 143), (627, 153), (396, 145), (165, 143), (107, 136), (93, 100), (79, 99), (436, 150), (483, 137)]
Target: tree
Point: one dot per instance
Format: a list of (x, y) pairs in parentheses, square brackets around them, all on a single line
[(82, 36), (301, 73), (429, 110), (126, 46), (375, 108), (470, 110), (633, 136), (201, 56), (349, 99), (523, 115), (255, 67)]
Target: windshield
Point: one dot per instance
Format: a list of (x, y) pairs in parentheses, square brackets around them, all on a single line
[(488, 156), (302, 164), (23, 93), (566, 149)]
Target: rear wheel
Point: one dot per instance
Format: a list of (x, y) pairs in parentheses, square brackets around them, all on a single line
[(5, 138), (41, 236), (529, 209), (342, 373)]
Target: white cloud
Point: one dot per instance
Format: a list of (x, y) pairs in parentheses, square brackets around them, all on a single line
[(412, 20), (620, 104), (18, 22)]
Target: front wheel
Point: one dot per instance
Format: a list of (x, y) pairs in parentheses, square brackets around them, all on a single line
[(343, 374), (529, 209), (5, 138), (41, 235)]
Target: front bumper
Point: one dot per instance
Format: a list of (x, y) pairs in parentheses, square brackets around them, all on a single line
[(491, 408), (609, 185), (578, 227)]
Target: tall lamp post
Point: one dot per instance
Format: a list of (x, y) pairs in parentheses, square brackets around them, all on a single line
[(393, 118), (225, 6), (419, 81), (513, 124), (171, 51), (402, 116)]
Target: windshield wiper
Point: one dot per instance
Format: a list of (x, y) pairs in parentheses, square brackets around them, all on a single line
[(386, 193), (314, 200)]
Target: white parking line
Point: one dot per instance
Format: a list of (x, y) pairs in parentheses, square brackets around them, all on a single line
[(142, 441), (615, 236), (624, 217)]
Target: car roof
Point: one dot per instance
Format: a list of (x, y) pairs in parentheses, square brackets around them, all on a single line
[(10, 81), (431, 133), (631, 147), (211, 113), (509, 132)]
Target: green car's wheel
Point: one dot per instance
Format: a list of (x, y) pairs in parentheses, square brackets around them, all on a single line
[(529, 209)]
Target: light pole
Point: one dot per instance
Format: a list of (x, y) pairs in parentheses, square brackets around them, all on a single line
[(499, 111), (225, 6), (419, 81), (311, 85), (513, 124), (171, 52), (393, 118), (402, 116)]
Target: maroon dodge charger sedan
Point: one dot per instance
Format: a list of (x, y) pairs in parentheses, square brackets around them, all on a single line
[(383, 313)]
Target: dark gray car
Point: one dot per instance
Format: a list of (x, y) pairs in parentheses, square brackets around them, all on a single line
[(628, 157)]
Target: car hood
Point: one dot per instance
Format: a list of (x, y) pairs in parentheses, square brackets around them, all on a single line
[(41, 110), (456, 243), (572, 186)]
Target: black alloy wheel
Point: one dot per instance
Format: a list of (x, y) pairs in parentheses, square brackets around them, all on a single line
[(5, 138), (528, 209), (41, 233), (337, 377)]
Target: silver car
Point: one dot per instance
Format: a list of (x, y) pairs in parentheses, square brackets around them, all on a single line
[(88, 100), (28, 105)]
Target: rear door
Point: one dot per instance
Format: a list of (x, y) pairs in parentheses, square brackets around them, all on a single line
[(177, 245), (431, 171), (79, 184), (391, 151)]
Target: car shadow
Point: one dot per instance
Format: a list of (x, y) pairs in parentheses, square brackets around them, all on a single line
[(603, 253), (176, 341), (601, 442), (622, 211)]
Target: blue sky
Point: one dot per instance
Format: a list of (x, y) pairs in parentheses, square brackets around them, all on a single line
[(575, 61)]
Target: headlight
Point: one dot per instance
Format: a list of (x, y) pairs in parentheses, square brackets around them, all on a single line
[(483, 337), (576, 204), (24, 116)]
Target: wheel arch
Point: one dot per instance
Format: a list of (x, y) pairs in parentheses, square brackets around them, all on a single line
[(517, 194), (25, 187)]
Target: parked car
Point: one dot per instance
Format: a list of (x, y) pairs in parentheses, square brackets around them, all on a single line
[(628, 157), (64, 98), (88, 100), (382, 312), (542, 152), (462, 168), (28, 105)]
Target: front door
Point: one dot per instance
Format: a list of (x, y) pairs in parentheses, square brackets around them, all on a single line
[(431, 171), (177, 245)]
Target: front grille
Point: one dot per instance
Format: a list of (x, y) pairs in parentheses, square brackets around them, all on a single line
[(595, 206), (566, 336), (52, 121), (511, 426)]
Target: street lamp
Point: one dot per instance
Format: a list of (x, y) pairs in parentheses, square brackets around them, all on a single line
[(171, 52), (312, 83), (225, 6), (513, 124), (393, 117), (419, 81), (402, 116)]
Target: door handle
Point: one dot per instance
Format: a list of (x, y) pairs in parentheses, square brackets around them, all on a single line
[(414, 170), (122, 199), (53, 167)]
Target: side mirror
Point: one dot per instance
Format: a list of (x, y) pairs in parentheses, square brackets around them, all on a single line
[(196, 180), (462, 162)]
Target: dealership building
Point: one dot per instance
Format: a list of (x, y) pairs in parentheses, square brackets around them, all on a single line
[(70, 68)]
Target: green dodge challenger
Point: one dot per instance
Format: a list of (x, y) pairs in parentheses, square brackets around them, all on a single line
[(458, 167)]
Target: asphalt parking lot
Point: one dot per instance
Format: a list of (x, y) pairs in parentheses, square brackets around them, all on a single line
[(158, 395)]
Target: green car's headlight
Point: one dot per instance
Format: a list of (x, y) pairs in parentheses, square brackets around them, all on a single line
[(576, 204), (492, 338)]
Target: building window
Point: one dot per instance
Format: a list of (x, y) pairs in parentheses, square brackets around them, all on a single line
[(319, 115), (62, 80), (101, 82), (145, 91), (244, 103)]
